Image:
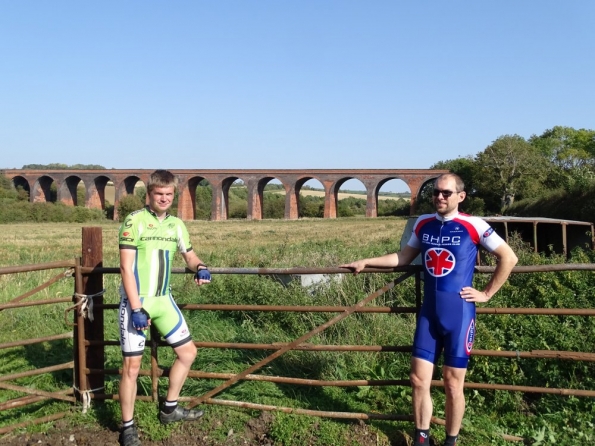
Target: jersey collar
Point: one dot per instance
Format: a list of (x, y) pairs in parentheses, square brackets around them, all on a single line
[(167, 214), (449, 218)]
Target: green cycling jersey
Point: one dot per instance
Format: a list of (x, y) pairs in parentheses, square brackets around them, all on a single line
[(155, 243)]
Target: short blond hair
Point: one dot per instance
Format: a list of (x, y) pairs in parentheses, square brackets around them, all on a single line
[(162, 178)]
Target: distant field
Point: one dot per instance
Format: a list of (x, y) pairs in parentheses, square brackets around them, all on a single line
[(342, 195), (110, 194), (223, 243)]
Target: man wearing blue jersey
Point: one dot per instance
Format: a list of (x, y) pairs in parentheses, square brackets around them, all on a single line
[(448, 242)]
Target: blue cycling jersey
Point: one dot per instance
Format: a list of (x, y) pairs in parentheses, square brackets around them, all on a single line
[(448, 250)]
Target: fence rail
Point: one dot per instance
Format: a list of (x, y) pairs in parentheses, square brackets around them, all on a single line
[(89, 343)]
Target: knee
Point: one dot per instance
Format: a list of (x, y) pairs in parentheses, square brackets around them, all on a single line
[(188, 353), (419, 381), (453, 387), (131, 368)]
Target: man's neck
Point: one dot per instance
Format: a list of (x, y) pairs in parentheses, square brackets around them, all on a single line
[(159, 215), (446, 217)]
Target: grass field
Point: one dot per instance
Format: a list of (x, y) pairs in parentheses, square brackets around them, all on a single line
[(266, 243), (34, 243), (541, 419)]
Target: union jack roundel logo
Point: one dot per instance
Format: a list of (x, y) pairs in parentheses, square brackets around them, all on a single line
[(439, 261)]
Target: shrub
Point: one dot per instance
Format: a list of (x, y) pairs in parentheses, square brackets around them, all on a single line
[(128, 204)]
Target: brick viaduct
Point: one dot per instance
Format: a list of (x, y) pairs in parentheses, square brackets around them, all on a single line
[(38, 183)]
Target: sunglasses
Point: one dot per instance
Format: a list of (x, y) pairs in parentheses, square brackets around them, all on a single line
[(445, 193)]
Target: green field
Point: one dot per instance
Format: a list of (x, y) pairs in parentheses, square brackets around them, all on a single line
[(311, 243)]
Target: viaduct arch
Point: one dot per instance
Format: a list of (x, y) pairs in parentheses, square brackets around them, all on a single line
[(38, 183)]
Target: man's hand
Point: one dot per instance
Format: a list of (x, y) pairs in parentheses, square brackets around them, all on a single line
[(140, 319), (356, 266), (202, 276), (470, 294)]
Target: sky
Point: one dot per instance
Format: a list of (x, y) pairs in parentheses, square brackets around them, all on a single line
[(270, 84)]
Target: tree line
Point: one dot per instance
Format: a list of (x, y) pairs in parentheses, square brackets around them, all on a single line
[(547, 175)]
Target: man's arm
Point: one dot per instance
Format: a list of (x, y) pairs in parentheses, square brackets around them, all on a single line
[(404, 257), (128, 280), (507, 259)]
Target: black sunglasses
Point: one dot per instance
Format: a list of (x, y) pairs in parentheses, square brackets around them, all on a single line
[(445, 193)]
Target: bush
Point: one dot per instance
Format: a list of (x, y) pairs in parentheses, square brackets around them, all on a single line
[(203, 202), (575, 205), (310, 206), (22, 211), (128, 204), (387, 208)]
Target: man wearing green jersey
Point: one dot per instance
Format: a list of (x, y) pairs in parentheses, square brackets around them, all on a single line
[(148, 240)]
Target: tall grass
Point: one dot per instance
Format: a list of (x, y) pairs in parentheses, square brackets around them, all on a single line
[(307, 243)]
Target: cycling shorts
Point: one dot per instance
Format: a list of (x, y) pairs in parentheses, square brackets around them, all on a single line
[(166, 317), (447, 323)]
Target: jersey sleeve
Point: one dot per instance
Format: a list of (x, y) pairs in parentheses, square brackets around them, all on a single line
[(488, 238), (414, 241), (184, 244), (128, 235)]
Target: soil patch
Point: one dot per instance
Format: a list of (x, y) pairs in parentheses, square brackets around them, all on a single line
[(255, 433)]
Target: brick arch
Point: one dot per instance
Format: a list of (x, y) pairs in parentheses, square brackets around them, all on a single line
[(41, 191), (95, 192), (426, 184), (187, 197), (222, 198), (21, 181), (256, 196), (372, 204), (67, 192), (334, 195), (125, 186), (295, 190)]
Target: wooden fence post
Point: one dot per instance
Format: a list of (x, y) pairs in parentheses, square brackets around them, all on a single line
[(92, 285)]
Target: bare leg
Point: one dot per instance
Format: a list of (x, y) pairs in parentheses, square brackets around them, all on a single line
[(454, 381), (127, 391), (179, 370), (421, 379)]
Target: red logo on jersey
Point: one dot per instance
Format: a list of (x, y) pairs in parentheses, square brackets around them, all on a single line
[(439, 261), (470, 336)]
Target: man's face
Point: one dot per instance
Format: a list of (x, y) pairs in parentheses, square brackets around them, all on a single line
[(160, 199), (447, 206)]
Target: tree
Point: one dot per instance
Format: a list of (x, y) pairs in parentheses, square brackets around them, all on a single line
[(465, 168), (508, 169), (60, 166), (571, 152)]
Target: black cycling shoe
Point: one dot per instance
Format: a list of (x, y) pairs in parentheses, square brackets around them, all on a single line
[(180, 414), (129, 437)]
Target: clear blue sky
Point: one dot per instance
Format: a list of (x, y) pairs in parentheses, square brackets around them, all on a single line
[(249, 84)]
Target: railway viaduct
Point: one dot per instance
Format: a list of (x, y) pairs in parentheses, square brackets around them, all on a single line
[(38, 183)]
